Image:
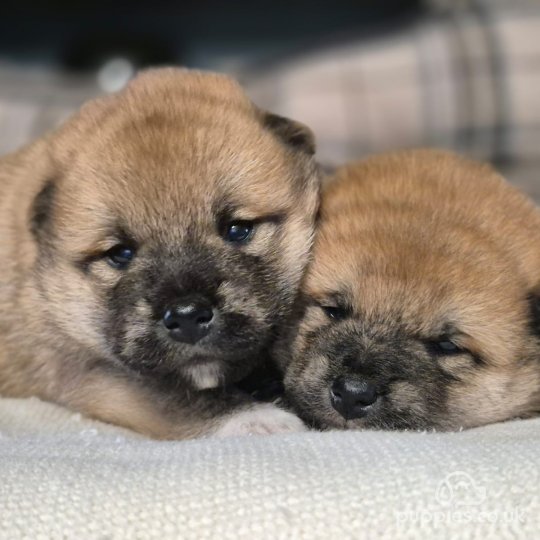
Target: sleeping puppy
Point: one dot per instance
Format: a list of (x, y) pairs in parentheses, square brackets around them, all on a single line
[(151, 247), (421, 306)]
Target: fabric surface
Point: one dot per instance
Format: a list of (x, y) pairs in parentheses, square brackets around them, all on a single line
[(464, 79), (62, 476)]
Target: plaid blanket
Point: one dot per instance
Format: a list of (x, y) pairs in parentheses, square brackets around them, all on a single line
[(33, 100), (466, 79)]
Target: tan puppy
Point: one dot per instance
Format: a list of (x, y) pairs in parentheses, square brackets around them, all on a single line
[(421, 304), (150, 248)]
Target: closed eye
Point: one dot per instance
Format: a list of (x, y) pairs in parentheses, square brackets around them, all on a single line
[(444, 346), (337, 313)]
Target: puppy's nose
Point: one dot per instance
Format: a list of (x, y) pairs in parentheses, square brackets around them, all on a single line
[(350, 396), (189, 319)]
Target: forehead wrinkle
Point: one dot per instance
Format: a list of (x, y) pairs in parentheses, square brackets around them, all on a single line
[(172, 172), (188, 101), (142, 217), (169, 186), (419, 307), (204, 142)]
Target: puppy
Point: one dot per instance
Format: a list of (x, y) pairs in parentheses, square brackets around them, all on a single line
[(421, 306), (150, 249)]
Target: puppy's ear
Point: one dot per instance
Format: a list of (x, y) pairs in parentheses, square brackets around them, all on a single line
[(41, 211), (292, 133)]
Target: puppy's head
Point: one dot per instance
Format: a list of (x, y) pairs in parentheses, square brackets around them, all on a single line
[(419, 308), (174, 225)]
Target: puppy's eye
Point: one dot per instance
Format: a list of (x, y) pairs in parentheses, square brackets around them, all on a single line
[(447, 347), (238, 231), (335, 312), (120, 256)]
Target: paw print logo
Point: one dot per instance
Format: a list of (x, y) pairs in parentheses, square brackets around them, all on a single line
[(460, 489)]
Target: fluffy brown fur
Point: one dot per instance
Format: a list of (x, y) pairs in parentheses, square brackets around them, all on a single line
[(420, 307), (164, 168)]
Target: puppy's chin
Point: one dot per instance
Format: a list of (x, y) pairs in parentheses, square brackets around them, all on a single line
[(373, 420)]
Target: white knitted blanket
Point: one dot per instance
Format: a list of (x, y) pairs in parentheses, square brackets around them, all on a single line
[(62, 476)]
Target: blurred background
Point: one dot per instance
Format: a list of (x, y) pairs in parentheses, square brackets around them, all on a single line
[(365, 75)]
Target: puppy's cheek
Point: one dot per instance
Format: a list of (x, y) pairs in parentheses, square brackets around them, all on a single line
[(76, 307), (138, 340), (419, 404), (491, 394), (470, 404), (309, 370), (308, 331), (104, 275), (136, 327), (307, 383), (458, 367), (239, 299), (405, 397), (291, 248), (277, 257), (252, 285)]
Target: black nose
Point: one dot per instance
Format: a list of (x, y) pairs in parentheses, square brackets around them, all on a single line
[(189, 319), (350, 396)]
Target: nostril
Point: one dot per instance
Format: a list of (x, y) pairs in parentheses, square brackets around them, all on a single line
[(169, 320), (204, 317), (366, 397)]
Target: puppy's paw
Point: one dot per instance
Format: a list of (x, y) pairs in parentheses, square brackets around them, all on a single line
[(261, 419)]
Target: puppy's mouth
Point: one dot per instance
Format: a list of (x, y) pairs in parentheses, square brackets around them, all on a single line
[(375, 418), (207, 358)]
